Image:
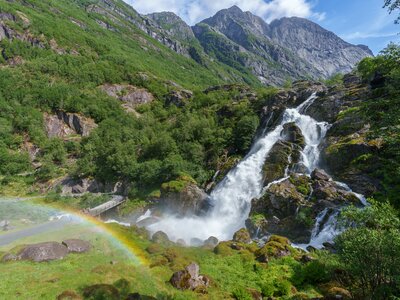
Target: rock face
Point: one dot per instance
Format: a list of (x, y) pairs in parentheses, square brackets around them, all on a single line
[(77, 246), (187, 200), (63, 124), (289, 208), (130, 96), (189, 278), (80, 186), (294, 45), (43, 252)]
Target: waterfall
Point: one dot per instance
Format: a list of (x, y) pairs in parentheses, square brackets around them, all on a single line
[(231, 198)]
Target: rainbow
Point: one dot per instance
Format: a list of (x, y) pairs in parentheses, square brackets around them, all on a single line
[(111, 232)]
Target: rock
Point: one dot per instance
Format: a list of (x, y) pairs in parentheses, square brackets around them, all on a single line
[(101, 291), (196, 242), (257, 226), (137, 296), (338, 293), (178, 97), (9, 257), (183, 197), (319, 174), (129, 95), (160, 238), (43, 252), (311, 249), (189, 278), (64, 124), (306, 258), (292, 133), (77, 246), (276, 247), (69, 295), (242, 236), (211, 242), (181, 242)]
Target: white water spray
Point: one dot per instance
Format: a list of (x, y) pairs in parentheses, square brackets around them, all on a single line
[(232, 196)]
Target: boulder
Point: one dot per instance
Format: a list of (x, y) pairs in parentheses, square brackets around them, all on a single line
[(242, 236), (160, 237), (276, 247), (77, 246), (211, 242), (129, 95), (63, 124), (196, 242), (319, 174), (189, 278), (184, 198), (69, 295), (101, 291), (178, 97), (43, 252), (137, 296)]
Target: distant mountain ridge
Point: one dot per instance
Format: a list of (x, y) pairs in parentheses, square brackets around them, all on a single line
[(288, 48)]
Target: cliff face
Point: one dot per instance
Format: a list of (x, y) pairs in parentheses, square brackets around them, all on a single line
[(287, 49)]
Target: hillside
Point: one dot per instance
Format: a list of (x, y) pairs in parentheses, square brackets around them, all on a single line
[(243, 169)]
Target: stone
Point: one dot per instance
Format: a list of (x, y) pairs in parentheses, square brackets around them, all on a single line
[(195, 242), (178, 97), (63, 124), (77, 246), (211, 242), (43, 252), (306, 258), (242, 236), (101, 291), (137, 296), (319, 174), (160, 237), (186, 201), (181, 242), (129, 95), (69, 295), (9, 257), (189, 278)]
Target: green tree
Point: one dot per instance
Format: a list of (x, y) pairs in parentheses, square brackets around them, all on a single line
[(370, 251)]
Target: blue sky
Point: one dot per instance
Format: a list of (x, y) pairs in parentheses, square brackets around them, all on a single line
[(359, 22), (356, 21)]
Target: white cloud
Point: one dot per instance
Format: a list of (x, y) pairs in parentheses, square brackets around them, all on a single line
[(193, 11)]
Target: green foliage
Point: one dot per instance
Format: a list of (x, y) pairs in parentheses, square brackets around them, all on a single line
[(369, 251), (241, 294)]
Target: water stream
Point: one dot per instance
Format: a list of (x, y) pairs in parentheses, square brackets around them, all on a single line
[(231, 199)]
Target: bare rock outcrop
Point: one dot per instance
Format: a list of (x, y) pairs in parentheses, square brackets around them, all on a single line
[(63, 124)]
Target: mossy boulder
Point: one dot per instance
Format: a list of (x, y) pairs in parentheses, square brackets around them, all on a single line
[(160, 237), (242, 236), (69, 295), (276, 247), (101, 291), (183, 197)]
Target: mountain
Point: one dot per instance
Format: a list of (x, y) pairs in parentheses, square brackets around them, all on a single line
[(288, 48)]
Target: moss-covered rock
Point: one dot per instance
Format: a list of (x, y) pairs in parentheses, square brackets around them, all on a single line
[(276, 247), (242, 236)]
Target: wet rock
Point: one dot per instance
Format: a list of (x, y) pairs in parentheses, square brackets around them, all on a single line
[(292, 133), (242, 236), (101, 291), (160, 237), (43, 252), (181, 242), (189, 278), (195, 242), (183, 197), (77, 246), (319, 174), (257, 225), (211, 242)]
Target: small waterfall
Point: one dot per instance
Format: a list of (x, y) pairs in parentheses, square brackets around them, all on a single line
[(231, 198)]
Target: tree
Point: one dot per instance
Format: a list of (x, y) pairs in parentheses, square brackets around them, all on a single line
[(393, 5), (370, 251)]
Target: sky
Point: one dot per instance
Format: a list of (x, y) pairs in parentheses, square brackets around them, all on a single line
[(356, 21)]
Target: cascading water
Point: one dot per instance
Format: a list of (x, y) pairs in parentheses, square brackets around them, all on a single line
[(231, 199)]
